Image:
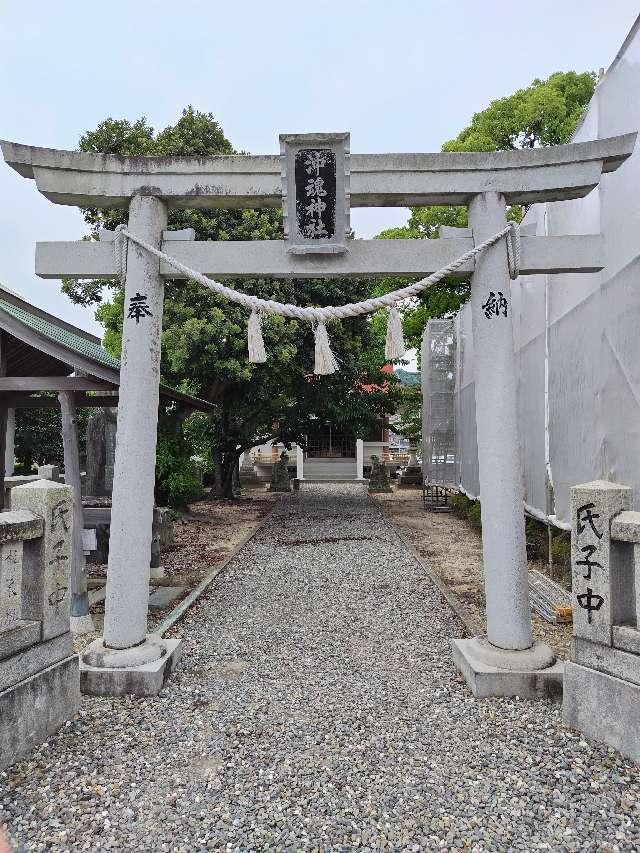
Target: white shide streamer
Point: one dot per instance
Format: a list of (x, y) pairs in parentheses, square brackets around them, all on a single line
[(325, 359), (255, 343)]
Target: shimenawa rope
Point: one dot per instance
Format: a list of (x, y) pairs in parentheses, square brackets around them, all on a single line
[(325, 360)]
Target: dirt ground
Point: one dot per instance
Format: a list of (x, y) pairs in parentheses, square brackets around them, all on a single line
[(203, 538), (452, 549)]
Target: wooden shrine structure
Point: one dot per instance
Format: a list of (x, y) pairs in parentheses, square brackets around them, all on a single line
[(46, 362)]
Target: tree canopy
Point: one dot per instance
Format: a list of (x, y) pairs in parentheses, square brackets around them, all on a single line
[(204, 348)]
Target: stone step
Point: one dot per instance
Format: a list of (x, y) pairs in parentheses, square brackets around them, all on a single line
[(331, 480), (163, 596)]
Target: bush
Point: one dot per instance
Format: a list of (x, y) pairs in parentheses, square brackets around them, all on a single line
[(177, 478), (465, 508), (537, 535), (459, 504), (561, 550), (473, 514)]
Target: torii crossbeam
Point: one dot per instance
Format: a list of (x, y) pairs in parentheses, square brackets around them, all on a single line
[(127, 659)]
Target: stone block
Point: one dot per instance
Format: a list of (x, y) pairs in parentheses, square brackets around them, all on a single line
[(602, 707), (35, 708), (163, 596), (46, 566), (144, 680), (30, 661), (21, 636), (161, 534), (485, 679), (20, 524), (626, 638), (49, 472), (602, 569), (97, 596), (616, 662), (626, 527)]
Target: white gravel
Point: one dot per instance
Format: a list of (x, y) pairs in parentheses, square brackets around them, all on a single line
[(317, 708)]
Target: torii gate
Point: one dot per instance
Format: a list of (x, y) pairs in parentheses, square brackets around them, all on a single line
[(129, 660)]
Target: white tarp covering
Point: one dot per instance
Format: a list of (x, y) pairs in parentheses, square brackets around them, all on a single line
[(438, 402), (576, 337)]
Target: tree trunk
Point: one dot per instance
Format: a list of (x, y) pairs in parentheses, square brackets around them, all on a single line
[(225, 466)]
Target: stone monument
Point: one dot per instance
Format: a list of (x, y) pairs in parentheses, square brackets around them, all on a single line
[(602, 677), (280, 481), (100, 451), (412, 474), (379, 477), (248, 475), (39, 683)]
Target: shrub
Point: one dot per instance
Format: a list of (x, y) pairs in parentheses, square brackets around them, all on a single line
[(459, 504), (537, 536), (561, 549), (473, 514), (177, 479)]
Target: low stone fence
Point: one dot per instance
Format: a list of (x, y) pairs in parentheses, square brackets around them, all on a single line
[(602, 679), (39, 680)]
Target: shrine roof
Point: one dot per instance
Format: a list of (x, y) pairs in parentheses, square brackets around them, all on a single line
[(40, 344), (70, 337)]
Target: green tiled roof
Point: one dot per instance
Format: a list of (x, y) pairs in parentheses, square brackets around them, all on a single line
[(59, 334), (408, 377)]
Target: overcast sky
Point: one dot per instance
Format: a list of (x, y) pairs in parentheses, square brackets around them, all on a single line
[(400, 76)]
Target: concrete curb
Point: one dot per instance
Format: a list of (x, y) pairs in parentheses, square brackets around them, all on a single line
[(470, 623), (179, 611)]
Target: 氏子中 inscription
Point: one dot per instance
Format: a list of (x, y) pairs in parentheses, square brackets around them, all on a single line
[(586, 526)]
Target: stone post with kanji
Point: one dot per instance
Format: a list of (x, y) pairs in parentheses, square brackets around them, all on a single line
[(39, 682), (602, 678), (596, 568)]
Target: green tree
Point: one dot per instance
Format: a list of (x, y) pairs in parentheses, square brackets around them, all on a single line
[(39, 436), (409, 423), (204, 350), (545, 113)]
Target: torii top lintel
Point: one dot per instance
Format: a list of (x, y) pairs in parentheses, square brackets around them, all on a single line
[(377, 180)]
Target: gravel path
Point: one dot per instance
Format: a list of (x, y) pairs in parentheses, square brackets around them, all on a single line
[(317, 708)]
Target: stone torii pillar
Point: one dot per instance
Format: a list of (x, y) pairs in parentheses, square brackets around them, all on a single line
[(507, 661), (126, 644)]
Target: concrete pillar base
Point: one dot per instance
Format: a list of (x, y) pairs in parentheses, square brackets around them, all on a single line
[(157, 572), (141, 670), (491, 671)]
